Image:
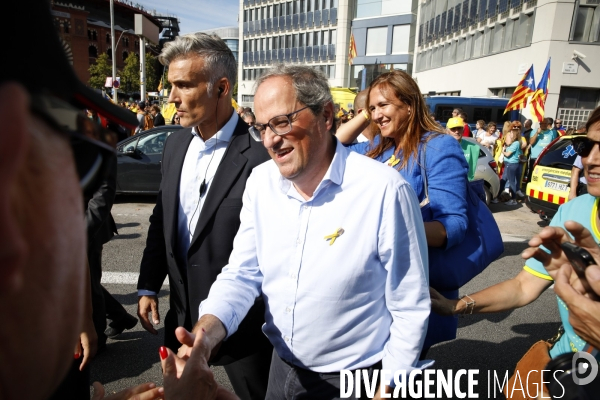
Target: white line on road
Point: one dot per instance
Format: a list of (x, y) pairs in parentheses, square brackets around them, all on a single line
[(131, 278)]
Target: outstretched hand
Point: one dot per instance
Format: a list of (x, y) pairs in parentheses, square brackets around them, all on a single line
[(192, 378), (584, 313), (145, 391), (551, 238)]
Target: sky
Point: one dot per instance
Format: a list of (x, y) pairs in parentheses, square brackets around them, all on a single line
[(197, 15)]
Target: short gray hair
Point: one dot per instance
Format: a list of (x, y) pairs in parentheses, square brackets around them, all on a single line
[(311, 85), (218, 58)]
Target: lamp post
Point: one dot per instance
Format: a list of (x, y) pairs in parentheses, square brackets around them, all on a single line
[(114, 57)]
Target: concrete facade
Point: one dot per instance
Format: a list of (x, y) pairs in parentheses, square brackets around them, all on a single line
[(498, 68), (317, 33)]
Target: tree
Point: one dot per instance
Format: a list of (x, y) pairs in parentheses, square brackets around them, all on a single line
[(130, 76), (99, 71), (152, 73)]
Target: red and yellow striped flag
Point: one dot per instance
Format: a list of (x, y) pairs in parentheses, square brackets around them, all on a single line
[(352, 49), (538, 99)]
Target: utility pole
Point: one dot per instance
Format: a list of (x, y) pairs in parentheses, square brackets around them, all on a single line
[(114, 51), (142, 68)]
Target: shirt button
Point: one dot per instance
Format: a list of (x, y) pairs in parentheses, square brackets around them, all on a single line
[(288, 310), (298, 241), (287, 339), (306, 207)]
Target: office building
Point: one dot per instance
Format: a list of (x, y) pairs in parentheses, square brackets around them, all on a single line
[(317, 33), (483, 48)]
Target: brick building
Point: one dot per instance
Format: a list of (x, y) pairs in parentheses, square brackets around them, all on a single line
[(84, 28)]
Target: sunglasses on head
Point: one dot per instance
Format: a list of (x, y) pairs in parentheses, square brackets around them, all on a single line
[(90, 155), (583, 145)]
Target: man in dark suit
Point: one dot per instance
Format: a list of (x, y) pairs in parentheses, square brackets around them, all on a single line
[(192, 227), (159, 120)]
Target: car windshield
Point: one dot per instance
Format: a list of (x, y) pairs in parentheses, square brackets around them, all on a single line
[(560, 155)]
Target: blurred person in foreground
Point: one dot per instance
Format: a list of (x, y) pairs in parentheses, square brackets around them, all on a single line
[(317, 317), (47, 168)]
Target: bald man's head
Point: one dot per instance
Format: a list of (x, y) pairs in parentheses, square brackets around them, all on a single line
[(360, 101)]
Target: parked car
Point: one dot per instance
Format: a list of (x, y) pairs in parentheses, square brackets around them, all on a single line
[(138, 160), (549, 186), (485, 108), (487, 169)]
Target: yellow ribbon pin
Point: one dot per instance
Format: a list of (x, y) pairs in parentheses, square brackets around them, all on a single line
[(337, 234), (393, 161)]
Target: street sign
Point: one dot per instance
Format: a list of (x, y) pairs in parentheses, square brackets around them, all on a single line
[(117, 83)]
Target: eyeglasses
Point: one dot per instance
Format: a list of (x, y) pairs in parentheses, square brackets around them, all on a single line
[(280, 125), (90, 156), (583, 145)]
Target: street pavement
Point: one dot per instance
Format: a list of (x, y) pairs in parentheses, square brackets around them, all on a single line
[(492, 342)]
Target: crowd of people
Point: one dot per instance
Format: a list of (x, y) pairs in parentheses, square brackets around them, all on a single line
[(293, 250)]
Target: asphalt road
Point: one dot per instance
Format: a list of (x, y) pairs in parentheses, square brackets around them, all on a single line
[(485, 342)]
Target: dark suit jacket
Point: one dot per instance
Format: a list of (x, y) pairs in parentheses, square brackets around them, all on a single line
[(212, 241), (159, 120), (101, 226)]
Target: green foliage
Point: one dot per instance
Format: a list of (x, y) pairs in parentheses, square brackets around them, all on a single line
[(99, 71), (235, 91), (130, 75), (152, 73)]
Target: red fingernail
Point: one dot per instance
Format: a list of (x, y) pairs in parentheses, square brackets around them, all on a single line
[(203, 330), (163, 352), (76, 356)]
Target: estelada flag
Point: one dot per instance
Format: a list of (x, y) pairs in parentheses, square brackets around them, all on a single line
[(538, 99), (352, 50), (522, 92), (160, 86)]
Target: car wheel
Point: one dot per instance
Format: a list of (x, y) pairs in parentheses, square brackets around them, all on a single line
[(488, 195)]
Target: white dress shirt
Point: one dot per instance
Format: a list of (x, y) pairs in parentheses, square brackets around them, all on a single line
[(200, 164), (331, 306)]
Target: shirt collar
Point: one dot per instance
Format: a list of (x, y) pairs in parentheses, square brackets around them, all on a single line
[(223, 135), (334, 174)]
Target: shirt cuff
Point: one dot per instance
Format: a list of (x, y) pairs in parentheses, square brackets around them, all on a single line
[(223, 311), (146, 293), (421, 364)]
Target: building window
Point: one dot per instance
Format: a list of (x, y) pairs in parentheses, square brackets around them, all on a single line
[(92, 51), (108, 38), (125, 55), (504, 93), (89, 34), (66, 25), (573, 97), (247, 98), (525, 30), (587, 22), (109, 53), (497, 38), (376, 41), (477, 44), (400, 39), (126, 42), (94, 35)]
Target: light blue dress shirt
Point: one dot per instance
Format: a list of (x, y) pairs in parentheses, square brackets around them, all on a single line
[(331, 306), (197, 166)]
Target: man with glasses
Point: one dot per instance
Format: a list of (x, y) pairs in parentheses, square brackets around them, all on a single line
[(334, 242), (204, 171), (455, 127), (558, 127)]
